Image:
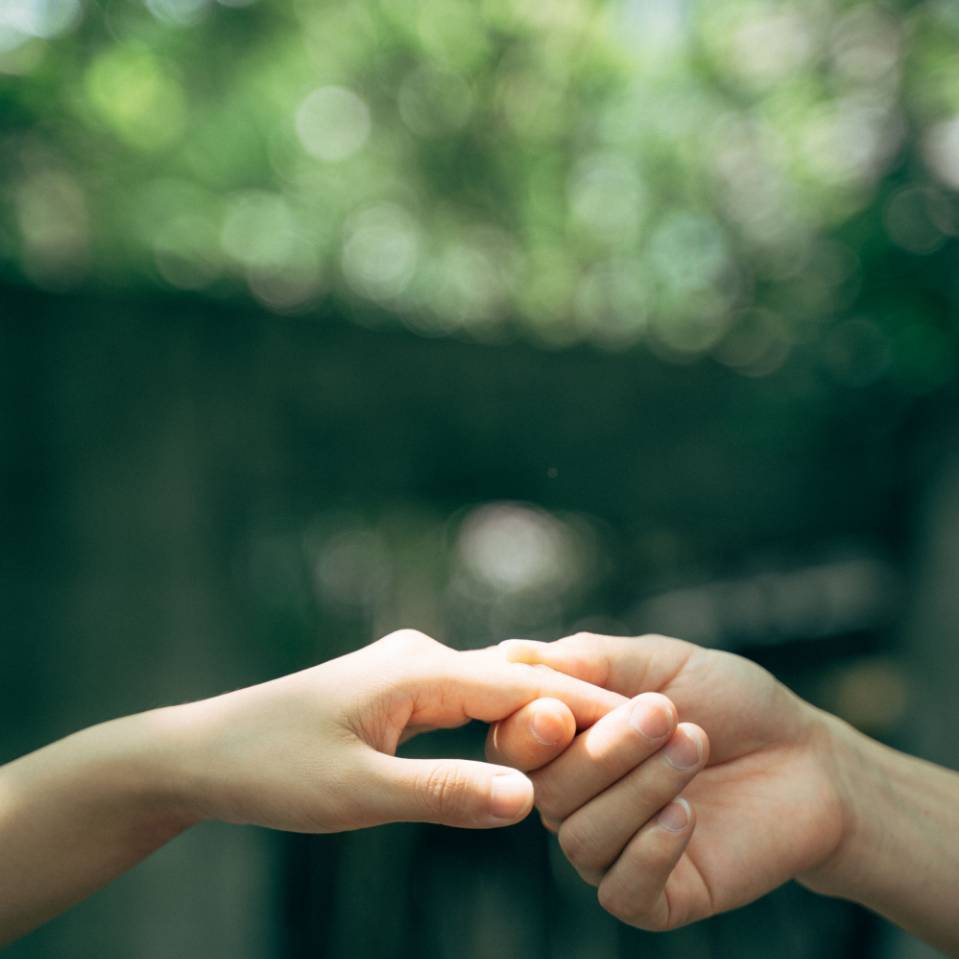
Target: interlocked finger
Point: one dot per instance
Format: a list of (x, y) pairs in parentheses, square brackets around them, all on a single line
[(595, 835), (634, 890), (603, 754)]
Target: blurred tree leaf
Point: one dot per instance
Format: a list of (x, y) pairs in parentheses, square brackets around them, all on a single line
[(732, 178)]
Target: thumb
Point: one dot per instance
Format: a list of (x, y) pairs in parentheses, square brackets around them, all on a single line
[(452, 792)]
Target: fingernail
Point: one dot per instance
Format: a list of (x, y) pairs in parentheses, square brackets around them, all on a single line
[(651, 719), (684, 750), (510, 795), (675, 816), (544, 731)]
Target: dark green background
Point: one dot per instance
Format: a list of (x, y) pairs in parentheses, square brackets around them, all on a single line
[(657, 299)]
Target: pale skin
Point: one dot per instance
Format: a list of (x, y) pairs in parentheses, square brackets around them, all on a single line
[(670, 825), (310, 752), (673, 826)]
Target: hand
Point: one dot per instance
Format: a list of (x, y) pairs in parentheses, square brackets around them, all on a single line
[(314, 751), (761, 798)]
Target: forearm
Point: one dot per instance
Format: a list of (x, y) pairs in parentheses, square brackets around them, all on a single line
[(900, 854), (77, 813), (310, 752)]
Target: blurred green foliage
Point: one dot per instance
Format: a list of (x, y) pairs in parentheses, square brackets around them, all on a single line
[(750, 180), (199, 496)]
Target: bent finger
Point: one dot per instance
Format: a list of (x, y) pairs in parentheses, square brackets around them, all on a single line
[(634, 889), (533, 736), (603, 754), (594, 836), (627, 664), (483, 685)]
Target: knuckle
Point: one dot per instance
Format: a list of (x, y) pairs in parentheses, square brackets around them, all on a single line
[(576, 842), (580, 636), (443, 790), (592, 877), (570, 842), (547, 798), (658, 920), (549, 824), (618, 903), (652, 922), (682, 647), (610, 896), (409, 641), (661, 857)]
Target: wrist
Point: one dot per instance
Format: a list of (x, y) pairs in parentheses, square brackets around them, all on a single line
[(850, 766), (144, 760), (80, 811), (887, 831), (898, 855)]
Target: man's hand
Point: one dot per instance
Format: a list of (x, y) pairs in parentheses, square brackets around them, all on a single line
[(761, 799)]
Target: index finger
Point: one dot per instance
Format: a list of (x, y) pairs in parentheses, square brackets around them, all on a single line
[(628, 664), (490, 688)]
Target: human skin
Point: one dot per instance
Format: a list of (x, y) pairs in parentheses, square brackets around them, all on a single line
[(310, 752), (673, 828)]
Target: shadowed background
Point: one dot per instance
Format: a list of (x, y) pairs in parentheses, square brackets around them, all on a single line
[(488, 319)]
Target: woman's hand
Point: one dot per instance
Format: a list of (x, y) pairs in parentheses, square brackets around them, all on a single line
[(315, 751), (312, 752)]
